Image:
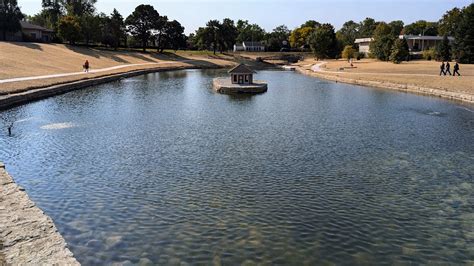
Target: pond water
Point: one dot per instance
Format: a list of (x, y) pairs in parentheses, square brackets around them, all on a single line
[(160, 169)]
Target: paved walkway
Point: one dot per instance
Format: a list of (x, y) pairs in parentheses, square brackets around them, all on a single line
[(91, 71), (317, 68)]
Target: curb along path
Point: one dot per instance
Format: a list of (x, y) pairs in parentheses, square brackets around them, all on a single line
[(315, 70)]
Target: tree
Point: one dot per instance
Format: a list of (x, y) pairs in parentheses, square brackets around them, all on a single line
[(421, 27), (464, 43), (213, 34), (79, 7), (174, 37), (381, 46), (141, 22), (159, 27), (52, 11), (69, 29), (399, 51), (116, 28), (299, 36), (228, 34), (348, 52), (367, 28), (449, 22), (91, 28), (10, 16), (249, 32), (311, 24), (278, 38), (323, 41), (348, 33), (443, 49), (397, 27)]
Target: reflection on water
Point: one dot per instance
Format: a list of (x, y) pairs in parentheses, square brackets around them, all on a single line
[(160, 169)]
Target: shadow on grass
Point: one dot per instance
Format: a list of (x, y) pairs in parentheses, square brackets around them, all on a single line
[(97, 53), (29, 45), (166, 56)]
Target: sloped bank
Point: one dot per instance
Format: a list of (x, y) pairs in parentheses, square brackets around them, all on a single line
[(15, 99), (27, 235), (392, 86)]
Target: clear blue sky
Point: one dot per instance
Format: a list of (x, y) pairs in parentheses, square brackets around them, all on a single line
[(271, 13)]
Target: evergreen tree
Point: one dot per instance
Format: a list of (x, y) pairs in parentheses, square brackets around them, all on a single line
[(213, 34), (116, 28), (443, 50), (141, 22), (464, 44), (10, 17), (399, 51), (174, 37), (381, 46), (229, 34)]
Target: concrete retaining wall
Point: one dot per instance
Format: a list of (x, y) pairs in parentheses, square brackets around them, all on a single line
[(11, 100), (394, 86), (27, 235)]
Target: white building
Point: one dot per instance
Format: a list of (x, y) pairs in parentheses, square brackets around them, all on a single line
[(364, 44), (249, 47), (416, 43)]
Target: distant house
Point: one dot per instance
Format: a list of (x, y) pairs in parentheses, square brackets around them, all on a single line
[(416, 43), (241, 74), (364, 44), (249, 47), (31, 32)]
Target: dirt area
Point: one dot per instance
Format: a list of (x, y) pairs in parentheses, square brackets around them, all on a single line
[(419, 72), (36, 59)]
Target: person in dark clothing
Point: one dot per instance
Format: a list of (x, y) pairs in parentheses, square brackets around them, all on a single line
[(456, 69), (86, 66), (442, 69), (448, 69)]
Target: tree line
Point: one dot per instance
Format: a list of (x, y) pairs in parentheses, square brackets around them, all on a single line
[(76, 21)]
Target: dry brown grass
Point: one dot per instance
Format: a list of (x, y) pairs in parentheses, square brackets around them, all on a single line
[(421, 73), (35, 59)]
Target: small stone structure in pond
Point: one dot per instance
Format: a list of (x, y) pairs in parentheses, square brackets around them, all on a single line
[(240, 81)]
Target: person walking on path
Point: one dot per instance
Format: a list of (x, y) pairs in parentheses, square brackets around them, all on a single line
[(442, 69), (456, 69), (448, 69), (86, 66)]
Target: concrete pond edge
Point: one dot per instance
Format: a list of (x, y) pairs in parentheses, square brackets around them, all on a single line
[(409, 88), (15, 99), (28, 236)]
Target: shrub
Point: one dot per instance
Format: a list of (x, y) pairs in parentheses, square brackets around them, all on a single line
[(348, 52), (429, 54)]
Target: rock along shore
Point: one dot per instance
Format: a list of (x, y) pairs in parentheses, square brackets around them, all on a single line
[(463, 97), (27, 235)]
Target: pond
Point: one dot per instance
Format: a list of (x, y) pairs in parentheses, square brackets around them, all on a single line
[(160, 169)]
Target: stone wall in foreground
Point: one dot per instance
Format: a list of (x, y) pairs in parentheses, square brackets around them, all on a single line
[(27, 235)]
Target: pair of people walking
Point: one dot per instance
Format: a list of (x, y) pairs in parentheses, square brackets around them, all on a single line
[(446, 69)]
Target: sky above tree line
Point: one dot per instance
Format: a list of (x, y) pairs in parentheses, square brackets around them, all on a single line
[(269, 14)]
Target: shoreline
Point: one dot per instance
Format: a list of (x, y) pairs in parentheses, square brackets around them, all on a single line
[(15, 99), (407, 88), (28, 235)]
